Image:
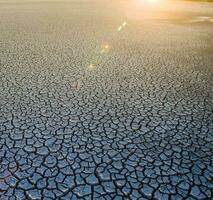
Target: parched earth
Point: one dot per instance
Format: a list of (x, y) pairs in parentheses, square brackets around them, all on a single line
[(103, 99)]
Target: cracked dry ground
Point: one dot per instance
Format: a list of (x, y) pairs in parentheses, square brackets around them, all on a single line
[(134, 122)]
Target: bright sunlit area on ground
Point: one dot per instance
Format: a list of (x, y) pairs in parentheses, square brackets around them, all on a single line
[(106, 100), (150, 2)]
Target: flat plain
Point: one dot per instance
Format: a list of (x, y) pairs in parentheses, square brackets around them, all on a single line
[(103, 99)]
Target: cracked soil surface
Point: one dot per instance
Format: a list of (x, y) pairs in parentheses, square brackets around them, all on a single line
[(106, 100)]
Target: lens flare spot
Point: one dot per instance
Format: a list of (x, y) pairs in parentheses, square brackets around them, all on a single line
[(119, 28), (106, 46), (91, 67), (124, 24)]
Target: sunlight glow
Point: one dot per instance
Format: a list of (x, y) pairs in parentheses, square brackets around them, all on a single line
[(152, 1)]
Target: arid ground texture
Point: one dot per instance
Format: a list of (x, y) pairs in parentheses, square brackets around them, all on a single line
[(106, 99)]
